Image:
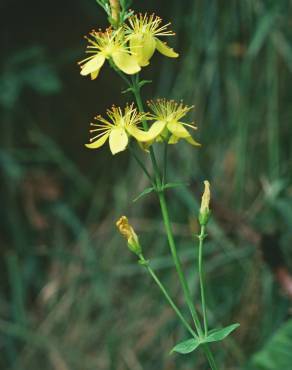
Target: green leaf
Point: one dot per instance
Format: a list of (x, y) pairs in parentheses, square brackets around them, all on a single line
[(187, 346), (144, 82), (216, 335), (129, 90), (170, 185), (144, 192)]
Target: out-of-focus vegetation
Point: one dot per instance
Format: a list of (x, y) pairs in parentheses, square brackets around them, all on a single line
[(72, 296)]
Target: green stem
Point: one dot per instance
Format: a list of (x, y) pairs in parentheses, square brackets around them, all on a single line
[(166, 295), (210, 357), (164, 162), (165, 215), (201, 277), (177, 262), (136, 91), (141, 164)]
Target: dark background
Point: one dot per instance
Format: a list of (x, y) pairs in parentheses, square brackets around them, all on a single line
[(72, 297)]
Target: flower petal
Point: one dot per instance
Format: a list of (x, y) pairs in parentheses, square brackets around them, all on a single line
[(165, 50), (93, 66), (118, 140), (98, 143), (148, 47), (136, 47), (173, 139), (146, 136), (94, 74), (191, 141), (126, 62), (177, 129)]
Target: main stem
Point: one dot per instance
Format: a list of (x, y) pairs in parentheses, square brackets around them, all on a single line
[(136, 91), (201, 277), (182, 279), (166, 220), (210, 357)]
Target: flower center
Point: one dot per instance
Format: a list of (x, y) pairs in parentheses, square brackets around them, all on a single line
[(108, 50)]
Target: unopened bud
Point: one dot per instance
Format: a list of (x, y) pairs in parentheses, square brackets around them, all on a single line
[(115, 7), (128, 232), (204, 213)]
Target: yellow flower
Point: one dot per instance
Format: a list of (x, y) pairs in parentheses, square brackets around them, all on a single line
[(108, 45), (128, 232), (168, 114), (142, 32), (119, 127)]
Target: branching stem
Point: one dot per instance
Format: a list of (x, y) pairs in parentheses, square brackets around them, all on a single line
[(167, 296), (134, 87)]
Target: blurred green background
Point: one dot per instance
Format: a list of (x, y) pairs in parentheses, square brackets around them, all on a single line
[(72, 296)]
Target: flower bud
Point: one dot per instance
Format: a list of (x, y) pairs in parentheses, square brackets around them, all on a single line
[(115, 7), (128, 232), (204, 213)]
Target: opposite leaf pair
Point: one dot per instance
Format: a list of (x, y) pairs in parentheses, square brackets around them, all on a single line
[(215, 335)]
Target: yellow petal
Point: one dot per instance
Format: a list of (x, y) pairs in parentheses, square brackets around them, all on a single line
[(136, 47), (94, 74), (165, 50), (148, 47), (147, 136), (177, 129), (126, 62), (191, 141), (118, 140), (98, 143), (93, 66), (173, 139)]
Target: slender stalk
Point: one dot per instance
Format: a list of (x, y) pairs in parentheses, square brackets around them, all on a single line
[(183, 281), (136, 92), (210, 357), (164, 162), (184, 284), (201, 277), (168, 298), (141, 164)]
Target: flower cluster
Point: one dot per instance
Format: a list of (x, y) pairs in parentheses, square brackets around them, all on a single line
[(122, 124), (129, 47)]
